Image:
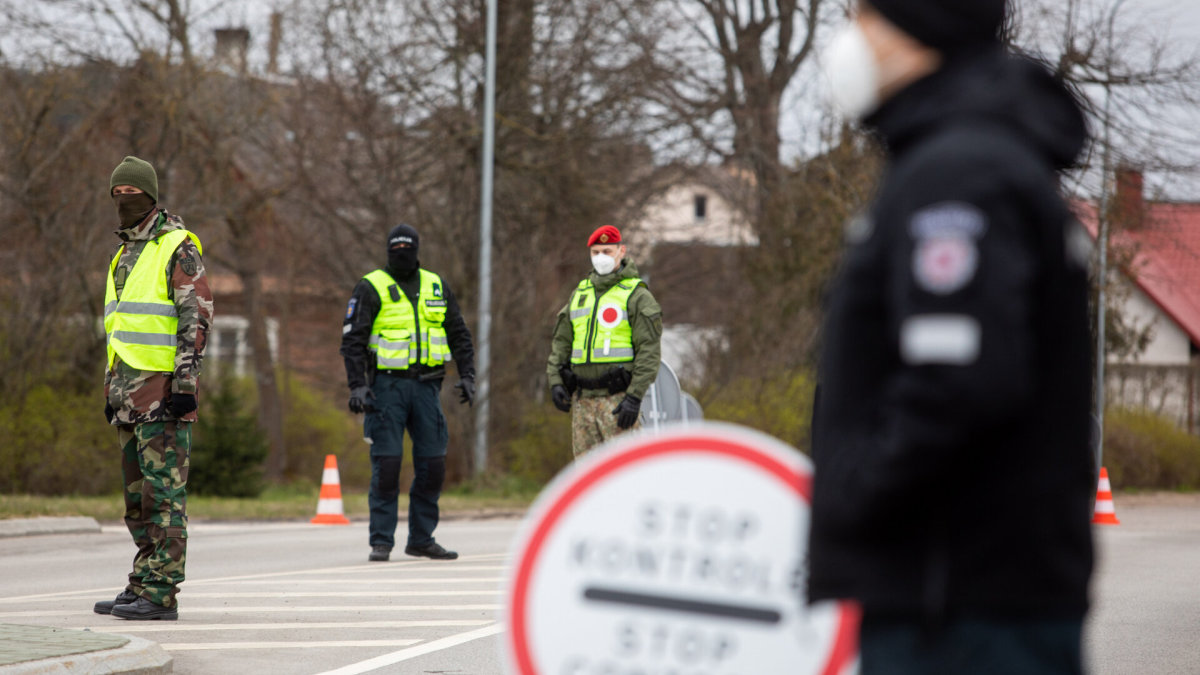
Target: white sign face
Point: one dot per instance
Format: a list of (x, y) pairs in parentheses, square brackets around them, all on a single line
[(676, 553)]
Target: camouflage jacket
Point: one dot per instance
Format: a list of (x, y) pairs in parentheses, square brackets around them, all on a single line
[(645, 318), (141, 396)]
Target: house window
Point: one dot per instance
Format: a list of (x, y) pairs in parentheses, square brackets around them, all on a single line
[(229, 349), (700, 207)]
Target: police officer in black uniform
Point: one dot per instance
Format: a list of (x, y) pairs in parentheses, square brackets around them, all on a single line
[(952, 469), (401, 325)]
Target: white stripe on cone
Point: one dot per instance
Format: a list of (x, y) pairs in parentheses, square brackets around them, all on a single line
[(329, 507), (330, 477)]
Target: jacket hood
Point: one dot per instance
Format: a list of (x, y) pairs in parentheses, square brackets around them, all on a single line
[(995, 86)]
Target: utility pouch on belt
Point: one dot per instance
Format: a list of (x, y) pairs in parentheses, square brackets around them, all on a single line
[(619, 380), (570, 382)]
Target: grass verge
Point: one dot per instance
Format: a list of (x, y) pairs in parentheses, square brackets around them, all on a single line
[(276, 503)]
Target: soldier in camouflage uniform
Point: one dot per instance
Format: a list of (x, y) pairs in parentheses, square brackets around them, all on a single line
[(158, 308), (606, 347)]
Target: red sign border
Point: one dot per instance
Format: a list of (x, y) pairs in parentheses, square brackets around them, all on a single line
[(845, 641)]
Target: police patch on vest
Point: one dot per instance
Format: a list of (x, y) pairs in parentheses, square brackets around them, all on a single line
[(437, 290), (435, 303), (945, 253)]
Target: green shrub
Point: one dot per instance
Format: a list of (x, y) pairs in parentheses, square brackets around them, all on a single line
[(315, 426), (1144, 450), (228, 448), (542, 446), (780, 405), (56, 442)]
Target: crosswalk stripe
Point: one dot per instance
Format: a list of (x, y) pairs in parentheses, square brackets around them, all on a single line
[(341, 594), (301, 644), (174, 626), (186, 610), (413, 652)]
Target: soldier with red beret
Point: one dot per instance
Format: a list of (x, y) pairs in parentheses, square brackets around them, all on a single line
[(606, 347)]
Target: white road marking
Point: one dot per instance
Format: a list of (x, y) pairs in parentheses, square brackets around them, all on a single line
[(343, 594), (357, 609), (373, 582), (210, 646), (173, 626), (413, 652)]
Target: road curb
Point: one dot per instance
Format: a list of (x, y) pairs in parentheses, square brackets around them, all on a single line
[(137, 657), (23, 527)]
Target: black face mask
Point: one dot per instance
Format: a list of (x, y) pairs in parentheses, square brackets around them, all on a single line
[(133, 208), (402, 260)]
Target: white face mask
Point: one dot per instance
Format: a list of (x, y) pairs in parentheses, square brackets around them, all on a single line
[(604, 264), (853, 74)]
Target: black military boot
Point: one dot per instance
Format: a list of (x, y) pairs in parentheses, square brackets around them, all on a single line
[(431, 550), (379, 554), (144, 610), (105, 606)]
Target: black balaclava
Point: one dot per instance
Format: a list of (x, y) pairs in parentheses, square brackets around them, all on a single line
[(133, 208), (402, 245)]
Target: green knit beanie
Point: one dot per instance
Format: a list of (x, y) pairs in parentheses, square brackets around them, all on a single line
[(136, 172)]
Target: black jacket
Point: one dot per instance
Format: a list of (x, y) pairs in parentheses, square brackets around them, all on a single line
[(360, 316), (951, 444)]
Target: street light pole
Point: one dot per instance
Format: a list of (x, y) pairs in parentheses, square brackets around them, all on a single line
[(483, 374), (1102, 243)]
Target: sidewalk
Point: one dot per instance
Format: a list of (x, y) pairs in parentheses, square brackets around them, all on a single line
[(23, 527), (41, 650)]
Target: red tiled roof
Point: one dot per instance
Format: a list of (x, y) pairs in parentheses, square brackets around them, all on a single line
[(1165, 251)]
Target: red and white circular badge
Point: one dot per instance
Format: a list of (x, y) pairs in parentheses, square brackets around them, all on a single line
[(676, 552), (609, 315)]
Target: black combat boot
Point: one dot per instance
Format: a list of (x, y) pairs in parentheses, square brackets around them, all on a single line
[(144, 610), (105, 606), (431, 550), (379, 554)]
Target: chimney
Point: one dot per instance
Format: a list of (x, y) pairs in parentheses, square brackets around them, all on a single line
[(232, 47), (1129, 202), (276, 36)]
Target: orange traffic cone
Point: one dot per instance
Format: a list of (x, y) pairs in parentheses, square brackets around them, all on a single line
[(329, 506), (1106, 513)]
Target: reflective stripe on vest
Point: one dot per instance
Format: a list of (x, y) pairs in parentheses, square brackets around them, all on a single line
[(392, 334), (142, 324), (601, 329)]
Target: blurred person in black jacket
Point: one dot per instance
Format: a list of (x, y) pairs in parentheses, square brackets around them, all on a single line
[(953, 474)]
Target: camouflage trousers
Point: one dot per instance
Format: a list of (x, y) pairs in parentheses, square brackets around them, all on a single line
[(593, 422), (154, 463)]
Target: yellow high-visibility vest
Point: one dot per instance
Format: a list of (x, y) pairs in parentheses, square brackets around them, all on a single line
[(401, 337), (141, 326), (602, 333)]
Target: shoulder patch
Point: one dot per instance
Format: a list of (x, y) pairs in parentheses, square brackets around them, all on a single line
[(350, 308), (188, 263), (945, 250)]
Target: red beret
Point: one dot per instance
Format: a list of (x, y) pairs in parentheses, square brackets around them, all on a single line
[(605, 234)]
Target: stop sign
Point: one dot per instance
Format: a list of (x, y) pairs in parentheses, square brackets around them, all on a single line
[(678, 552)]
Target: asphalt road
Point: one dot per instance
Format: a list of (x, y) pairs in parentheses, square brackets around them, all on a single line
[(281, 598), (298, 598)]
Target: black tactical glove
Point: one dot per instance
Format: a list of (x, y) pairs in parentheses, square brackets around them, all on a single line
[(181, 404), (362, 400), (627, 411), (562, 400), (466, 390), (109, 413), (569, 379)]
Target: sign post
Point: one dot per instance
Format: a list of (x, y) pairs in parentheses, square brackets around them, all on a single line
[(681, 551)]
